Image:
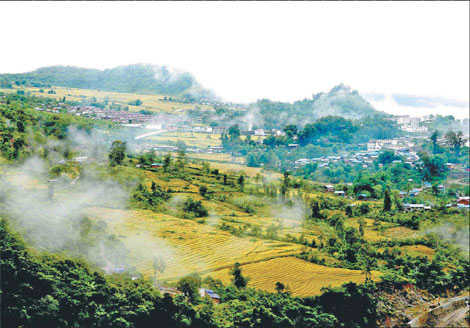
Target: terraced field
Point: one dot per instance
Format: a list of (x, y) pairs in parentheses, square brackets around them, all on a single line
[(216, 159), (154, 103), (191, 139), (201, 246), (250, 171), (418, 250), (302, 278), (186, 246)]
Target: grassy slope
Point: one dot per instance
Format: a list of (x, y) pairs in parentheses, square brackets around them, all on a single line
[(153, 103)]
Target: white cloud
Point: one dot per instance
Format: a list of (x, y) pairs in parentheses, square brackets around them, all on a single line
[(388, 104)]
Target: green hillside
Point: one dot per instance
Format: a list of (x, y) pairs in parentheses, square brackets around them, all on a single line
[(137, 78), (339, 101)]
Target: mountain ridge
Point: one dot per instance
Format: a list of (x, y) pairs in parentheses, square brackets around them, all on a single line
[(341, 100), (134, 78)]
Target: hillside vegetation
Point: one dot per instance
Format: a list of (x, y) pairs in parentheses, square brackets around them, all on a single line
[(339, 101), (137, 78)]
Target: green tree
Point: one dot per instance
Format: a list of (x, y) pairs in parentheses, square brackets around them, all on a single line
[(349, 210), (181, 159), (433, 138), (455, 140), (285, 184), (435, 188), (241, 181), (189, 286), (280, 287), (290, 130), (386, 157), (206, 168), (237, 277), (234, 131), (195, 207), (362, 223), (203, 190), (166, 162), (316, 209), (117, 153), (364, 208), (387, 201)]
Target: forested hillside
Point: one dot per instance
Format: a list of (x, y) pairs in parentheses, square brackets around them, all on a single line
[(138, 78), (339, 101)]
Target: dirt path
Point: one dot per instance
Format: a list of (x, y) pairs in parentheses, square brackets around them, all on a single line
[(451, 319), (439, 315)]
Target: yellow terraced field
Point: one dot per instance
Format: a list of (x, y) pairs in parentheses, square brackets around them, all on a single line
[(185, 245), (399, 232), (370, 233), (219, 157), (250, 171), (303, 278), (215, 157), (418, 250), (191, 139), (153, 103)]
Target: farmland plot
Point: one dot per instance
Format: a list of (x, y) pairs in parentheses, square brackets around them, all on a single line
[(186, 246), (302, 278)]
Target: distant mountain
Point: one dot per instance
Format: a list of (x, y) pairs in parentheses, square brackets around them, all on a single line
[(340, 101), (137, 78)]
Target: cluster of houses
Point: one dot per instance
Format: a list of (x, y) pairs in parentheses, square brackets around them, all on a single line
[(122, 117), (224, 130), (125, 118), (416, 207), (263, 132), (78, 159), (461, 202), (170, 148), (360, 158), (413, 124), (322, 161), (396, 144)]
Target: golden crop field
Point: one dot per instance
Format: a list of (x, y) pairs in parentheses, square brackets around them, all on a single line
[(249, 171), (216, 157), (186, 246), (154, 103), (399, 232), (191, 139), (370, 233), (418, 250), (302, 278)]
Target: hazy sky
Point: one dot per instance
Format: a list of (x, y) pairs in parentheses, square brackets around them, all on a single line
[(245, 51)]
